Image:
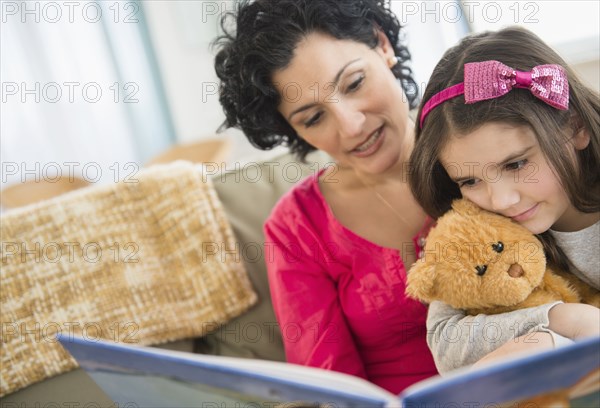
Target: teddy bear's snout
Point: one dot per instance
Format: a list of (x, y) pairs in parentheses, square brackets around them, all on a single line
[(515, 271)]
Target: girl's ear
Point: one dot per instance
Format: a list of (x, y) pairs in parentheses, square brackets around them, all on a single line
[(581, 139), (581, 136)]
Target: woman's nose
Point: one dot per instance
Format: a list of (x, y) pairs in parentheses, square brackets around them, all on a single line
[(503, 194), (350, 121)]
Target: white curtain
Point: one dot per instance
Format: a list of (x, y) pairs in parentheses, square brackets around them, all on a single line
[(431, 27), (434, 26), (80, 91)]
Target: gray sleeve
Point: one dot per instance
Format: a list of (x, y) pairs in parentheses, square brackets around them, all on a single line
[(582, 249), (457, 340)]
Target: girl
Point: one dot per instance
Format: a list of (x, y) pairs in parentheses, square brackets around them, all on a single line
[(507, 124)]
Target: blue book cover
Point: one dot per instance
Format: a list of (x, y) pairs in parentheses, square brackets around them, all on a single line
[(150, 377)]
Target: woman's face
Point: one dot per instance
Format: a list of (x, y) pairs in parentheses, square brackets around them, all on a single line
[(341, 97)]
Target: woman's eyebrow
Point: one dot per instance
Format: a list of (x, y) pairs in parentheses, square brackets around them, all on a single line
[(335, 82)]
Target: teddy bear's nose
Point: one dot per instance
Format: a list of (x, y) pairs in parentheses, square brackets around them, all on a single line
[(515, 271), (481, 269)]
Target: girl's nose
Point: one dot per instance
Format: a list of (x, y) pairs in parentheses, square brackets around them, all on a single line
[(503, 194)]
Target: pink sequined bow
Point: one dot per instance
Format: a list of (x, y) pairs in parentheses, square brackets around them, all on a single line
[(492, 79)]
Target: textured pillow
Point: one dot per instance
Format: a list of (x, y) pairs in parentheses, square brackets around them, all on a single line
[(148, 261)]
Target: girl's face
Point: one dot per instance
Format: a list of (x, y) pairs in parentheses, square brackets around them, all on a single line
[(502, 169), (341, 97)]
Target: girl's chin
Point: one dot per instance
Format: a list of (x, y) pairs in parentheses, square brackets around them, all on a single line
[(536, 227)]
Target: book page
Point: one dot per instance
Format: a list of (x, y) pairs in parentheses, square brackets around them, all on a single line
[(312, 376), (184, 379), (569, 373)]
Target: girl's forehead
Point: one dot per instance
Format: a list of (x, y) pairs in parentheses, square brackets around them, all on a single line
[(490, 143)]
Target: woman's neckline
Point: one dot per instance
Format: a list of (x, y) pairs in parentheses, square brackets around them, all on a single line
[(339, 225)]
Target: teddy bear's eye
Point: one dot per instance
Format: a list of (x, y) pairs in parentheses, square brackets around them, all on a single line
[(481, 269), (498, 247)]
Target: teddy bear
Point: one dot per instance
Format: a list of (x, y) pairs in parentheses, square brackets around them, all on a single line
[(483, 262)]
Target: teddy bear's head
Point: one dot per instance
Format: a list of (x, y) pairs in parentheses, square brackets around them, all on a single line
[(475, 259)]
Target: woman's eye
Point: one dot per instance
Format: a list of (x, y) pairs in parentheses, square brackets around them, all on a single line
[(519, 164), (313, 120), (356, 84)]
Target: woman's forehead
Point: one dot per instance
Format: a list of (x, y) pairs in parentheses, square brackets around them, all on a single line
[(319, 64), (319, 57)]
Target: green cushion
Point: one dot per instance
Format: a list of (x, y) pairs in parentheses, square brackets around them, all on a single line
[(248, 194), (74, 387)]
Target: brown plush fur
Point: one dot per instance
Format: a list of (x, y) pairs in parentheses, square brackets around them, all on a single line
[(515, 275)]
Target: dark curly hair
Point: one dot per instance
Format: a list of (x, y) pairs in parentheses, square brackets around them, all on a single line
[(266, 34)]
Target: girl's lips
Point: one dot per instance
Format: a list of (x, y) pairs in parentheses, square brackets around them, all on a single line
[(373, 148), (524, 216)]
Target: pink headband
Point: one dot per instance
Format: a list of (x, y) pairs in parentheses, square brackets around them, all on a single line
[(492, 79)]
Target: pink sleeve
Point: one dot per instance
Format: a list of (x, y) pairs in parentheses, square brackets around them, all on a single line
[(306, 302)]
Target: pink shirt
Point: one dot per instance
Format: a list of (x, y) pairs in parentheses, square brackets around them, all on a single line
[(339, 299)]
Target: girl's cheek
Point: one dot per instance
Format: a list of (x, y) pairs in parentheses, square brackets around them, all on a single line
[(477, 197)]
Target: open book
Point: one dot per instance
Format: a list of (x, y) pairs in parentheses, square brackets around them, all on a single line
[(149, 377)]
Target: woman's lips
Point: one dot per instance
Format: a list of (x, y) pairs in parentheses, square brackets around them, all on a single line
[(371, 145)]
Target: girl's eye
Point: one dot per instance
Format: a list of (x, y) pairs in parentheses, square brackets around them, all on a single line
[(313, 120), (467, 183), (519, 164), (356, 84)]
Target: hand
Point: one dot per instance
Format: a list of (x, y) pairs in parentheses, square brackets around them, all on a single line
[(575, 320), (571, 320), (526, 344)]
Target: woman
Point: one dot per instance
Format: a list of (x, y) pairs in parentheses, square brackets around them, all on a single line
[(331, 75)]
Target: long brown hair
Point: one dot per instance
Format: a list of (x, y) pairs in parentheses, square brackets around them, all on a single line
[(521, 50)]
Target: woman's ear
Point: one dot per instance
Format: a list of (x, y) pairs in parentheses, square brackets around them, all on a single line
[(384, 46)]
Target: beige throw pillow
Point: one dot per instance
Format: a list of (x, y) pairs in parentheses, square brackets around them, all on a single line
[(147, 262)]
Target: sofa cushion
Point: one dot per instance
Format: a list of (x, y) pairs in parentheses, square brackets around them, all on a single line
[(72, 389), (247, 201), (153, 274), (248, 194)]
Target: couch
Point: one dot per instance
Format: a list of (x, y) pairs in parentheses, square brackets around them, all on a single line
[(248, 192)]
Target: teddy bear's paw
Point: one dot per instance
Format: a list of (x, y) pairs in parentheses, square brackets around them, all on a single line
[(562, 289), (592, 299)]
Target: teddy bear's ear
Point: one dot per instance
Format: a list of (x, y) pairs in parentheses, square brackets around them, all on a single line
[(420, 281), (465, 207)]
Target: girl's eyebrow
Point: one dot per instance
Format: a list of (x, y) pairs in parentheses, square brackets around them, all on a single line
[(335, 82), (506, 160)]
